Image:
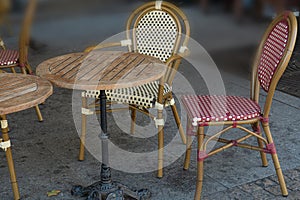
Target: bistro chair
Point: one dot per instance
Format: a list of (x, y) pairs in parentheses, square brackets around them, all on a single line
[(158, 29), (270, 62), (12, 59)]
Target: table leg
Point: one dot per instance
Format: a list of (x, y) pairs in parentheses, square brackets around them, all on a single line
[(106, 188)]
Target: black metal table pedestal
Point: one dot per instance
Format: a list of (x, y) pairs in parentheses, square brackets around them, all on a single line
[(106, 188)]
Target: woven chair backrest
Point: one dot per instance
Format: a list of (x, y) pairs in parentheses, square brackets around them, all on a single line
[(157, 29), (273, 55), (273, 52)]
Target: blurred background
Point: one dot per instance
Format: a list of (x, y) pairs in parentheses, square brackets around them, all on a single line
[(102, 18)]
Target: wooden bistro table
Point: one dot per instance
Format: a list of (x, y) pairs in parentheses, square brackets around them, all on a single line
[(18, 92), (105, 70)]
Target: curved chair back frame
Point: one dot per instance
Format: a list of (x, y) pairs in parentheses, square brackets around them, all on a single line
[(276, 47), (162, 45), (5, 7), (25, 35)]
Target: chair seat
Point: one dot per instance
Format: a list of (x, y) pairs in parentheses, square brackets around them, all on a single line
[(220, 108), (8, 57), (144, 95)]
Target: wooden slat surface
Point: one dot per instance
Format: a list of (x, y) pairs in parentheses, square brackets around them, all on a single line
[(19, 92), (101, 70)]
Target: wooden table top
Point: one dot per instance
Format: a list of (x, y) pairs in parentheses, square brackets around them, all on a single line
[(19, 92), (101, 70)]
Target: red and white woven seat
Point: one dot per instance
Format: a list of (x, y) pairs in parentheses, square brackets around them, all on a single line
[(220, 108), (8, 57)]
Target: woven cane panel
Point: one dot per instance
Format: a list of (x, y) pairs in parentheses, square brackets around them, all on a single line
[(8, 57), (272, 53), (144, 95), (156, 35)]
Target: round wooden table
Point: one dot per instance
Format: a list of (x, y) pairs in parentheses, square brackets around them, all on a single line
[(101, 70), (18, 92), (105, 70)]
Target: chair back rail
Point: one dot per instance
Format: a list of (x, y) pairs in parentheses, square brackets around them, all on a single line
[(273, 56), (159, 32), (5, 7), (24, 37)]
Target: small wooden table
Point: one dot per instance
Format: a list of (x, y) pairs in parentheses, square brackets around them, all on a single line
[(101, 70), (18, 92), (105, 70)]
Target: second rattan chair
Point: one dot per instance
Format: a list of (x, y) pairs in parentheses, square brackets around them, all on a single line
[(161, 30), (271, 61), (12, 59)]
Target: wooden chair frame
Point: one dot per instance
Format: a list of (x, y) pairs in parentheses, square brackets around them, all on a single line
[(265, 144), (172, 63), (24, 39), (5, 8)]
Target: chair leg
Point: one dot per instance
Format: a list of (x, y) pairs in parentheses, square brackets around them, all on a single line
[(28, 69), (200, 167), (179, 126), (187, 159), (133, 119), (83, 130), (276, 161), (13, 70), (9, 158), (160, 151), (188, 146), (160, 129), (261, 145), (38, 113), (23, 70)]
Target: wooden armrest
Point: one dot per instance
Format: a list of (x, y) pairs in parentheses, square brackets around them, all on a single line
[(178, 56), (102, 46), (173, 64), (173, 59)]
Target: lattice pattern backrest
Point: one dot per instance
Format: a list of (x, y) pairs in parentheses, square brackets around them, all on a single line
[(272, 53), (156, 35)]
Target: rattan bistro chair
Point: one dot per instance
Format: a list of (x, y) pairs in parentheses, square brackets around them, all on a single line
[(161, 30), (271, 61), (12, 59)]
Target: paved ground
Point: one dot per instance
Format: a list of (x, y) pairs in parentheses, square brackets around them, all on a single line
[(45, 153)]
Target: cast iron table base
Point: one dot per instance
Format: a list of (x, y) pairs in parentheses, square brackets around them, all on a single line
[(106, 188)]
